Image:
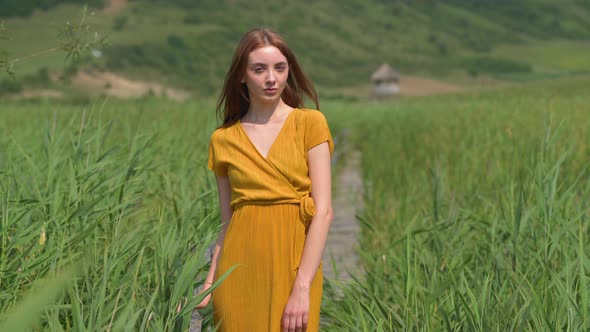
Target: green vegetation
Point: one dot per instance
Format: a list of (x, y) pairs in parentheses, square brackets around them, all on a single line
[(189, 43), (341, 43), (75, 39), (9, 86), (24, 8), (551, 56), (475, 213), (96, 204), (542, 19)]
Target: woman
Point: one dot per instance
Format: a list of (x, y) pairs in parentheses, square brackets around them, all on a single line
[(266, 156)]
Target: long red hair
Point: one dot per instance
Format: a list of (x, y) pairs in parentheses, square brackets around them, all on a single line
[(233, 102)]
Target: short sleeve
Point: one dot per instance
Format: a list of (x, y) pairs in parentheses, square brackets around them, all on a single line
[(213, 163), (317, 130)]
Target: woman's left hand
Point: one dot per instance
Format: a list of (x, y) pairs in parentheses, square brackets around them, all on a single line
[(296, 311)]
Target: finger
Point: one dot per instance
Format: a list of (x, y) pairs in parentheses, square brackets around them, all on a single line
[(204, 303), (299, 323), (285, 323), (304, 322), (292, 323)]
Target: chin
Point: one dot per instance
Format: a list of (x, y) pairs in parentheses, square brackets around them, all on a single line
[(270, 99)]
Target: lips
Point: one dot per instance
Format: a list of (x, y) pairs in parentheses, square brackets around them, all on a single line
[(270, 90)]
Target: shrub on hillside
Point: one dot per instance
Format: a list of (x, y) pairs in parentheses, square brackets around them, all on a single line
[(40, 78), (120, 22), (176, 41), (439, 45), (123, 56), (10, 86), (192, 18)]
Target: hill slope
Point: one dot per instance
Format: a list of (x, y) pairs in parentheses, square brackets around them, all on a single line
[(189, 43)]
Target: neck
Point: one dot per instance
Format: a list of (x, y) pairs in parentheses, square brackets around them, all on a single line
[(262, 113)]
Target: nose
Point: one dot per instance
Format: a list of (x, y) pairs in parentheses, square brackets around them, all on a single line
[(270, 78)]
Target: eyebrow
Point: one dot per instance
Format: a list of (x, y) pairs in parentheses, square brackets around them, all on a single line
[(282, 63)]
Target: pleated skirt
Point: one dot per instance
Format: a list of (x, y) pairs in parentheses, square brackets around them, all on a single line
[(265, 242)]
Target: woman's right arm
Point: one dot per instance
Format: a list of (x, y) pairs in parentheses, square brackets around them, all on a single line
[(224, 190)]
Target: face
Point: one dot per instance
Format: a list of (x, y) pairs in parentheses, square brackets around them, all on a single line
[(266, 74)]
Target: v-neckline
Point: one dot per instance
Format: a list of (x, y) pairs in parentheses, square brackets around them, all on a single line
[(273, 142)]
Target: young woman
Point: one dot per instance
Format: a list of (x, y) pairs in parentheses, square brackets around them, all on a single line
[(271, 159)]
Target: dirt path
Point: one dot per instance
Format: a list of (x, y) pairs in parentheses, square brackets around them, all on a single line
[(347, 202), (38, 93), (108, 83)]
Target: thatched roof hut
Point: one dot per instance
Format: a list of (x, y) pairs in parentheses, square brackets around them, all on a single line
[(385, 74), (385, 81)]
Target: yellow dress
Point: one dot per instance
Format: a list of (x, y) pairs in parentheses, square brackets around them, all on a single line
[(272, 208)]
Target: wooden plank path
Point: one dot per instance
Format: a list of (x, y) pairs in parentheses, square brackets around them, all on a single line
[(342, 244)]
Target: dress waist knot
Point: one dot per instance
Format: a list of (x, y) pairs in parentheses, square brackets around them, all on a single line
[(307, 207), (306, 204)]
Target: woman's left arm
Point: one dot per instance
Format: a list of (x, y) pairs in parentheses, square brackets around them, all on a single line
[(321, 190)]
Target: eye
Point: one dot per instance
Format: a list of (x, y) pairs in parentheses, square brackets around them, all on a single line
[(258, 69), (281, 68)]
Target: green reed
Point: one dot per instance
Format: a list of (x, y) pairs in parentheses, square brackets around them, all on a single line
[(112, 206), (475, 213)]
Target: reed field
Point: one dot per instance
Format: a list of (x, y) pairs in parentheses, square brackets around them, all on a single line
[(475, 213), (106, 214)]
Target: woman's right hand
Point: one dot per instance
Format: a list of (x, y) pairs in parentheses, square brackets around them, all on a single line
[(205, 302)]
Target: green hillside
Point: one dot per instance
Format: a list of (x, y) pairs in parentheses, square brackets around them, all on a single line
[(25, 8), (189, 43)]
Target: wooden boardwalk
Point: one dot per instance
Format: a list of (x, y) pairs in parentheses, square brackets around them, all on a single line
[(342, 244)]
